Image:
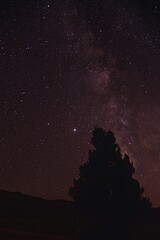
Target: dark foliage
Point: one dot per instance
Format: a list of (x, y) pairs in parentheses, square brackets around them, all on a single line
[(106, 188)]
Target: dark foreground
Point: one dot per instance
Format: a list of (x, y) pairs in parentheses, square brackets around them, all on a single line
[(26, 217), (140, 232), (15, 235)]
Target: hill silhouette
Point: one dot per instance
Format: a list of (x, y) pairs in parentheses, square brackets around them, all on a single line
[(16, 204), (21, 213), (108, 202)]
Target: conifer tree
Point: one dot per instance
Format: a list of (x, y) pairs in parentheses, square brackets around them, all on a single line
[(106, 185)]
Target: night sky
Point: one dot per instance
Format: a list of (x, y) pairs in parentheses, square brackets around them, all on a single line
[(66, 67)]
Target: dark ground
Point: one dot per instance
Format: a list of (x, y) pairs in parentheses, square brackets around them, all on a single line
[(7, 235), (25, 217)]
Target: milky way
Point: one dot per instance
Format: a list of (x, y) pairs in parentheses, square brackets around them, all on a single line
[(66, 67)]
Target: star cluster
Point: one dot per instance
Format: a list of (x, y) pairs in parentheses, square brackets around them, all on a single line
[(66, 67)]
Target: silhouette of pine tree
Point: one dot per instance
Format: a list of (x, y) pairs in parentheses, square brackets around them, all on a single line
[(106, 187)]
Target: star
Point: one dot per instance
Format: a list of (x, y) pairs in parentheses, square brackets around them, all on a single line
[(57, 80)]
